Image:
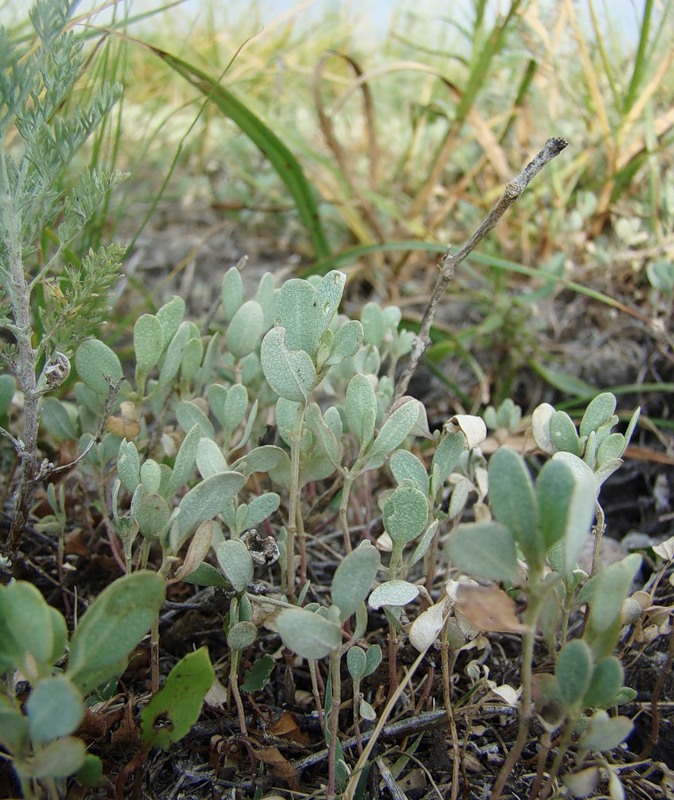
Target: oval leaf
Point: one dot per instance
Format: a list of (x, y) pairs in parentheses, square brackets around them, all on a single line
[(353, 579), (307, 634)]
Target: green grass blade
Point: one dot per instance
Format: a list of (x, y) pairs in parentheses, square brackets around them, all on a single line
[(642, 56), (284, 162)]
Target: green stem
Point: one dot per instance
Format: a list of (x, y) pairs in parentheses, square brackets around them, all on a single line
[(531, 621), (294, 502), (562, 747), (333, 722), (344, 506)]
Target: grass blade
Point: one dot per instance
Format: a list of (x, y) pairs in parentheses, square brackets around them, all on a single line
[(284, 162)]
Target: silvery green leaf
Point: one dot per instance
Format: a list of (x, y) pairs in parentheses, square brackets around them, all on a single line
[(299, 314), (183, 467), (611, 449), (373, 658), (26, 630), (241, 635), (406, 465), (206, 575), (405, 513), (97, 365), (353, 579), (333, 420), (573, 670), (563, 433), (324, 349), (59, 759), (152, 515), (366, 711), (170, 315), (205, 500), (631, 426), (150, 475), (236, 403), (607, 469), (57, 420), (396, 429), (323, 434), (590, 450), (513, 502), (567, 507), (607, 681), (55, 708), (346, 342), (245, 330), (290, 373), (329, 296), (612, 585), (361, 408), (266, 297), (259, 459), (372, 320), (216, 395), (231, 292), (484, 550), (605, 733), (209, 362), (424, 543), (446, 458), (209, 458), (190, 414), (393, 593), (356, 662), (260, 508), (148, 342), (309, 635), (174, 354), (287, 413), (598, 413), (191, 360), (461, 489), (236, 563), (128, 465), (248, 428)]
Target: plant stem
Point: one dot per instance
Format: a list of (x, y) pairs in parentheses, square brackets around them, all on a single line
[(447, 696), (528, 642), (349, 792), (294, 502), (25, 363), (343, 508), (449, 262), (333, 722)]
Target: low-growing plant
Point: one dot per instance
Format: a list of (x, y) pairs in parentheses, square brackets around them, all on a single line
[(38, 722), (51, 297), (209, 449)]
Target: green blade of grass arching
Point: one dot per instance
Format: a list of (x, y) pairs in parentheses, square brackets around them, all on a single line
[(284, 162)]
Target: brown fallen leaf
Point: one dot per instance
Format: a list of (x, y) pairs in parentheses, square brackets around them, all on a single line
[(286, 726), (279, 766), (488, 608)]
